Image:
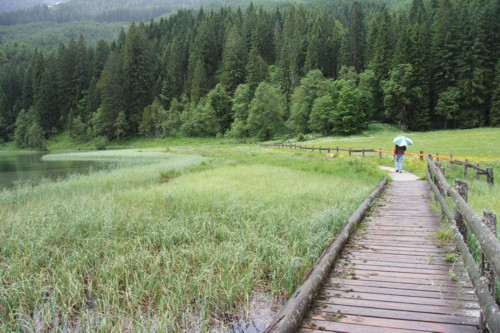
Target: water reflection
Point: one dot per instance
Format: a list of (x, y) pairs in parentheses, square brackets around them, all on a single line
[(29, 167)]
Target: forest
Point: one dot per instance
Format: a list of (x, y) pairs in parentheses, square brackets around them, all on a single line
[(257, 73)]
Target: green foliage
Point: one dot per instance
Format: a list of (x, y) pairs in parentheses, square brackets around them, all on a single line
[(399, 94), (348, 117), (265, 118), (322, 115), (302, 101), (100, 142), (241, 103), (405, 65)]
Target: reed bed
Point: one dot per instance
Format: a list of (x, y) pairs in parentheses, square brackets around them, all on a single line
[(122, 250)]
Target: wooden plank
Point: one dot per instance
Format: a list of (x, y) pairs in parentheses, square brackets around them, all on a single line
[(357, 310), (391, 275), (389, 263), (415, 270), (382, 324), (341, 328), (402, 292), (421, 300), (338, 282)]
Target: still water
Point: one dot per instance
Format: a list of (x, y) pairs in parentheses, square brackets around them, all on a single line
[(29, 166)]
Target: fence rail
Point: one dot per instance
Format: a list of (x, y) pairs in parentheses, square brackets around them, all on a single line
[(488, 172), (484, 231)]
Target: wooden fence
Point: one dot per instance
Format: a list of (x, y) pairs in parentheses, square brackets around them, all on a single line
[(488, 172), (462, 221)]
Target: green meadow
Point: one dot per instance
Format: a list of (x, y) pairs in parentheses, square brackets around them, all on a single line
[(179, 234)]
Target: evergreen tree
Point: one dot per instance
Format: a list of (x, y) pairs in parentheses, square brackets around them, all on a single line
[(112, 95), (399, 94), (137, 75), (233, 60), (448, 106), (220, 102), (46, 100), (241, 103), (472, 67), (353, 44), (495, 100), (172, 122), (256, 69)]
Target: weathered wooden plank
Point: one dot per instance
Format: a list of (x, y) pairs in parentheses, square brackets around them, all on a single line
[(437, 288), (421, 300), (382, 325), (387, 263), (443, 270), (356, 310), (391, 277), (468, 298)]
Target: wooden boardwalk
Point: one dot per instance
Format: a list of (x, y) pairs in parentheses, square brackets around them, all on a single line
[(391, 277)]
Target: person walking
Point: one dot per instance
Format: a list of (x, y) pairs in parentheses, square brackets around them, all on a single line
[(399, 152)]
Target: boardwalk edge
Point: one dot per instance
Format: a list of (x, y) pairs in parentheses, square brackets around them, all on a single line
[(290, 316)]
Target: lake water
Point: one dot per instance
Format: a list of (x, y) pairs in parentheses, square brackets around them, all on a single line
[(29, 166)]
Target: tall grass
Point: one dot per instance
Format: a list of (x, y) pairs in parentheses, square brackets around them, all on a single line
[(120, 250)]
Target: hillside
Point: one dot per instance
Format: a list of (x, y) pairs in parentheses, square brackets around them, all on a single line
[(118, 10), (9, 5)]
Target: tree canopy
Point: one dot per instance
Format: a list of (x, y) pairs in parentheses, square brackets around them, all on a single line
[(262, 72)]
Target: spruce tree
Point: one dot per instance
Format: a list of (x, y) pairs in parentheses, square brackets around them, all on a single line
[(232, 72)]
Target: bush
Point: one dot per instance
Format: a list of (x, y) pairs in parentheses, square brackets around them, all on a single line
[(100, 143)]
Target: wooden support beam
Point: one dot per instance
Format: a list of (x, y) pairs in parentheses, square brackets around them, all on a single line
[(290, 316)]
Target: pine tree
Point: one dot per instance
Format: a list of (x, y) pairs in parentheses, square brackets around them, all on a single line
[(353, 44), (233, 60), (137, 75), (112, 97), (256, 69), (495, 99)]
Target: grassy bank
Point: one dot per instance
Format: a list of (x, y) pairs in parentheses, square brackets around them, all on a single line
[(172, 240)]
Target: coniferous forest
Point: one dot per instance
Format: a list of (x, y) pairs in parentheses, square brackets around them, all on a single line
[(254, 72)]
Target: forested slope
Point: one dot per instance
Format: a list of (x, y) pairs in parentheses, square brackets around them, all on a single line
[(262, 72)]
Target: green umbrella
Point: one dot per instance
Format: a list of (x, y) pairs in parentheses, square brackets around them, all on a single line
[(402, 140)]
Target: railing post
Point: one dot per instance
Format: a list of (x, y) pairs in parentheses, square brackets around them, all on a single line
[(462, 189), (363, 152), (337, 150), (380, 152), (451, 162), (465, 167), (487, 272), (489, 176), (349, 151), (421, 155), (477, 172), (320, 150), (328, 150)]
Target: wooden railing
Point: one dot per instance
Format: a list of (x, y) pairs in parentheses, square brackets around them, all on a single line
[(488, 172), (462, 221)]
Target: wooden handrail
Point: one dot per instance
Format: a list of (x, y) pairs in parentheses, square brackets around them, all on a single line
[(479, 171), (290, 316), (489, 244)]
